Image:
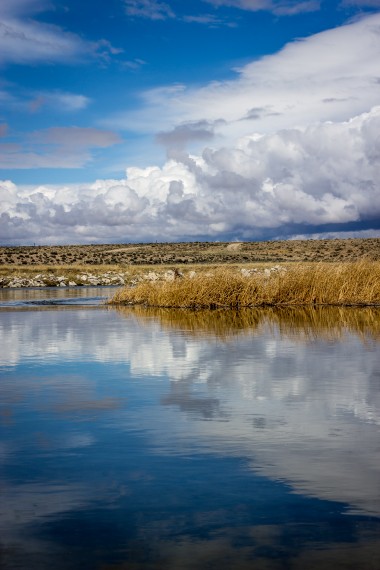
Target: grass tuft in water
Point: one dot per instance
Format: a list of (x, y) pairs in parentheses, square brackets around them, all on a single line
[(351, 283)]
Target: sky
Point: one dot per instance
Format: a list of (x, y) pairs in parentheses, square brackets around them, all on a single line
[(218, 120)]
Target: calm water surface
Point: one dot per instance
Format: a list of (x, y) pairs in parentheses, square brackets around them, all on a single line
[(135, 439)]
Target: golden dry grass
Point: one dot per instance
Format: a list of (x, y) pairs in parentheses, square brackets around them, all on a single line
[(355, 283)]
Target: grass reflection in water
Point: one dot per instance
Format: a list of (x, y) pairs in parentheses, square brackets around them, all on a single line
[(301, 323)]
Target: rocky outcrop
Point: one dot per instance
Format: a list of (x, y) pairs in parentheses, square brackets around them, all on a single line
[(268, 271), (89, 279), (69, 280)]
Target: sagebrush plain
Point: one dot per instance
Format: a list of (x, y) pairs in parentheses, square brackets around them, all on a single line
[(188, 253)]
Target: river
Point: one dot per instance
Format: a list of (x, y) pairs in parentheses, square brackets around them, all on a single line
[(149, 439)]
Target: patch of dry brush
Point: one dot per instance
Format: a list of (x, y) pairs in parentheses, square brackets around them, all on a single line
[(188, 253), (355, 283)]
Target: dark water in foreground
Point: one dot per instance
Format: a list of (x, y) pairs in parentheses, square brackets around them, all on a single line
[(135, 439)]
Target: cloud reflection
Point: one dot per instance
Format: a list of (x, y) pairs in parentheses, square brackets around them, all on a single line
[(298, 392), (294, 392)]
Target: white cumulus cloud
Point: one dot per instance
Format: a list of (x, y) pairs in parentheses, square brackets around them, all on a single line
[(289, 146), (275, 184)]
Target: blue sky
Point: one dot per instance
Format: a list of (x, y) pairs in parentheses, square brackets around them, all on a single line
[(137, 120)]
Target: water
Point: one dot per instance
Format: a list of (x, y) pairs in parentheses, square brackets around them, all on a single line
[(53, 296), (135, 439)]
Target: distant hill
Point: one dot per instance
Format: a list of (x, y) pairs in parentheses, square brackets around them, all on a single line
[(193, 252)]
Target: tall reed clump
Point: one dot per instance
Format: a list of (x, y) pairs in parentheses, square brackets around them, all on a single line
[(355, 283)]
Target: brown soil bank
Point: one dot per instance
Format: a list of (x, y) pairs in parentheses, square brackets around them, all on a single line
[(349, 283), (193, 253)]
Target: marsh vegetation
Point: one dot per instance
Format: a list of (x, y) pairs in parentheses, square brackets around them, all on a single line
[(355, 283)]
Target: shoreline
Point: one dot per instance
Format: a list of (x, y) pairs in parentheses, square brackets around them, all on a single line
[(62, 279), (340, 284), (69, 277)]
